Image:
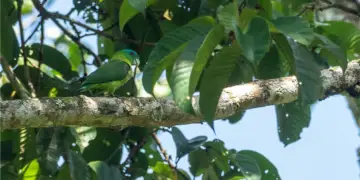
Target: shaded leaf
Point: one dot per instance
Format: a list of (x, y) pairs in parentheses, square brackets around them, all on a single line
[(184, 146), (285, 51), (248, 166), (245, 17), (267, 169), (271, 66), (130, 8), (105, 172), (307, 73), (78, 166), (228, 16), (295, 27), (169, 47), (292, 118), (256, 41), (214, 80)]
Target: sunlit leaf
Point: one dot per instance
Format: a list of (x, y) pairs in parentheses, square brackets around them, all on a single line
[(256, 41), (169, 47), (129, 8), (214, 80), (32, 170)]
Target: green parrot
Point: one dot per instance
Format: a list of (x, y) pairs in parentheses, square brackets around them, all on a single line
[(112, 75)]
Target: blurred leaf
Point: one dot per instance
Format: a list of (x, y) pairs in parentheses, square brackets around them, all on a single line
[(266, 9), (214, 80), (228, 16), (184, 146), (292, 118), (8, 172), (248, 166), (256, 41), (53, 58), (129, 8), (64, 172), (307, 73), (245, 17), (9, 46), (169, 47), (267, 169), (83, 136), (345, 34), (107, 142), (31, 170), (335, 55), (28, 144), (104, 171), (163, 170), (210, 174), (77, 166), (295, 27), (271, 66), (236, 117), (285, 51)]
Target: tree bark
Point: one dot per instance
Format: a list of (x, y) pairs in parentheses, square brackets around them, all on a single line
[(146, 112)]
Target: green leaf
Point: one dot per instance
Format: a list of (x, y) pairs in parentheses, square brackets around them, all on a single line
[(292, 118), (32, 170), (189, 66), (64, 172), (107, 142), (214, 80), (210, 174), (130, 8), (345, 34), (9, 46), (169, 47), (83, 135), (228, 16), (104, 171), (236, 117), (245, 17), (198, 161), (184, 146), (78, 167), (307, 73), (285, 51), (255, 43), (163, 170), (271, 66), (267, 169), (295, 27), (181, 72), (335, 55), (266, 10), (52, 58), (248, 166)]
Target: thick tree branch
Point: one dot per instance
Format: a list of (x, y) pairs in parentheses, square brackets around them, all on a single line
[(131, 111)]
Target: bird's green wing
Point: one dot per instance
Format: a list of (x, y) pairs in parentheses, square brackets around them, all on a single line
[(114, 70)]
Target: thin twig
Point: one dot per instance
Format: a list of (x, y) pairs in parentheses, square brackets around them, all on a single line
[(41, 52), (163, 151), (11, 77), (26, 68), (46, 14), (106, 29), (33, 32), (99, 32), (81, 51)]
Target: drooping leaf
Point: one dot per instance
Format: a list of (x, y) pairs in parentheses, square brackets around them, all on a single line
[(106, 142), (104, 172), (210, 174), (295, 27), (255, 43), (292, 118), (285, 51), (345, 34), (184, 146), (307, 73), (248, 166), (214, 80), (271, 66), (169, 47), (228, 16), (336, 56), (267, 169), (9, 46), (32, 170), (78, 167), (130, 8)]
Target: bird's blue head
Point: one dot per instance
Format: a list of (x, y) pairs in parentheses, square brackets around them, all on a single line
[(132, 56)]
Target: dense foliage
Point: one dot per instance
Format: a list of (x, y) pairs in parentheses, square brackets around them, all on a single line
[(202, 45)]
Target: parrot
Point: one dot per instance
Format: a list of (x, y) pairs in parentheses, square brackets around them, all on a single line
[(112, 75)]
